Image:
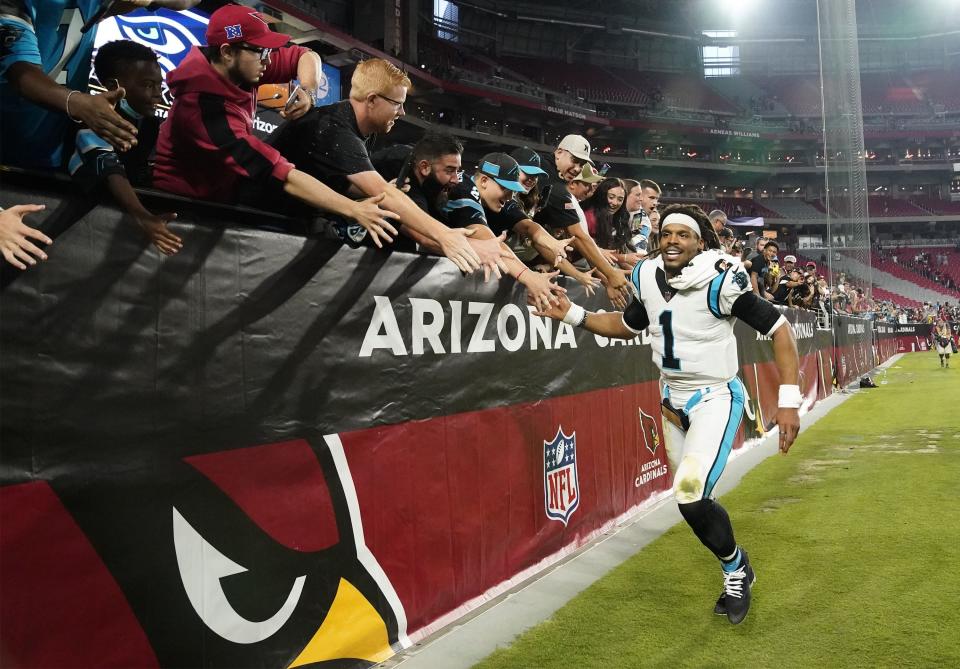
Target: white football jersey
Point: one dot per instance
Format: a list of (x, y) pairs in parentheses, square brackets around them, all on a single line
[(691, 318)]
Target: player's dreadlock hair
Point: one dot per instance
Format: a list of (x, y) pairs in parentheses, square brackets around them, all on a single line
[(113, 57), (707, 233)]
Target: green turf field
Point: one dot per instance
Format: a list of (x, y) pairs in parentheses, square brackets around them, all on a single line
[(855, 537)]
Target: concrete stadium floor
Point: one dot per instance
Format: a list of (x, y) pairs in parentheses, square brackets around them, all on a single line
[(497, 623)]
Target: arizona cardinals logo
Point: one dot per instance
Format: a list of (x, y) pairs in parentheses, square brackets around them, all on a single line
[(258, 552), (648, 428), (285, 491)]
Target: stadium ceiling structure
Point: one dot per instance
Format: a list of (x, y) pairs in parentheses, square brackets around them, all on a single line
[(877, 19)]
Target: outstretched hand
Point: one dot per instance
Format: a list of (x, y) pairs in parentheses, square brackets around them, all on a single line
[(15, 236), (558, 249), (618, 297), (156, 230), (542, 291), (97, 113), (555, 309), (589, 280), (368, 214), (491, 255), (456, 247)]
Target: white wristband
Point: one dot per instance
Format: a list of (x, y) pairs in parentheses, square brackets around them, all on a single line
[(790, 397), (575, 315)]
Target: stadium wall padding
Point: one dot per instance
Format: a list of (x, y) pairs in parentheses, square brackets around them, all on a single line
[(270, 450)]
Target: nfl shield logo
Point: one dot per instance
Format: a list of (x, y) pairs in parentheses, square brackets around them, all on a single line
[(561, 490), (234, 31), (651, 435)]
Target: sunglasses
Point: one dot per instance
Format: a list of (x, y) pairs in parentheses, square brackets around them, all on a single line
[(264, 52)]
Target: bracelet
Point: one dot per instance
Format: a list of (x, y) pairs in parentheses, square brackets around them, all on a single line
[(67, 105), (575, 316), (790, 397), (521, 273)]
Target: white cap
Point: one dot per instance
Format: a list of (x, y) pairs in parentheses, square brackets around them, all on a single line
[(577, 145), (790, 259)]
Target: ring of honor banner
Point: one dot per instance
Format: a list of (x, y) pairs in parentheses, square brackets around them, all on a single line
[(273, 451), (907, 337)]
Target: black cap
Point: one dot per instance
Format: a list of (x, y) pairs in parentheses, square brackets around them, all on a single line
[(529, 161), (503, 169)]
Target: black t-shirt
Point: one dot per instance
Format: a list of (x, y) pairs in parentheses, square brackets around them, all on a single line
[(423, 200), (780, 294), (419, 196), (557, 206), (326, 143), (758, 266), (464, 207), (504, 220)]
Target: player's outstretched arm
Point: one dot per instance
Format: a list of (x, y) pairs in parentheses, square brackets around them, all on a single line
[(788, 365), (607, 325)]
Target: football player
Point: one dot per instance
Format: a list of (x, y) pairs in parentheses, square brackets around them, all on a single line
[(689, 297)]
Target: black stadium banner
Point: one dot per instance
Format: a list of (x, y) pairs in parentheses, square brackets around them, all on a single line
[(853, 352), (902, 338), (759, 375), (141, 395), (903, 329)]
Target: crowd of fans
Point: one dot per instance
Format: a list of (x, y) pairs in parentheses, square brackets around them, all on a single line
[(524, 214), (929, 266)]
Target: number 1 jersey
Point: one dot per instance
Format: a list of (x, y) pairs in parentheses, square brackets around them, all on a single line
[(691, 317)]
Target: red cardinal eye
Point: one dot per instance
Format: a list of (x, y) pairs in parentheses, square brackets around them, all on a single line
[(281, 487)]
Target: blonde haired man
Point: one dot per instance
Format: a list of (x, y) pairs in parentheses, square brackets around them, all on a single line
[(375, 75), (330, 143)]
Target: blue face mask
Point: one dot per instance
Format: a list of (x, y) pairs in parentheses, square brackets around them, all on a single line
[(127, 109)]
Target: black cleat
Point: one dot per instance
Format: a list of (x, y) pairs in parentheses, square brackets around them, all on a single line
[(736, 591), (720, 608)]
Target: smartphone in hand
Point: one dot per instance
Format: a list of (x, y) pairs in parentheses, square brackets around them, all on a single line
[(292, 100)]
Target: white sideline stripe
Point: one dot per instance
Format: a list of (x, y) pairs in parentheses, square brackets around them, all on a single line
[(366, 557), (462, 642)]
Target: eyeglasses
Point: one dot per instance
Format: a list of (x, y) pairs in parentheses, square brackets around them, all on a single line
[(395, 103), (264, 52)]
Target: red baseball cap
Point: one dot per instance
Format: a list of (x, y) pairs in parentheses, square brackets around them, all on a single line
[(235, 24)]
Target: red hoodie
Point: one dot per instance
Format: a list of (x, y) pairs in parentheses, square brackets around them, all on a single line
[(206, 147)]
